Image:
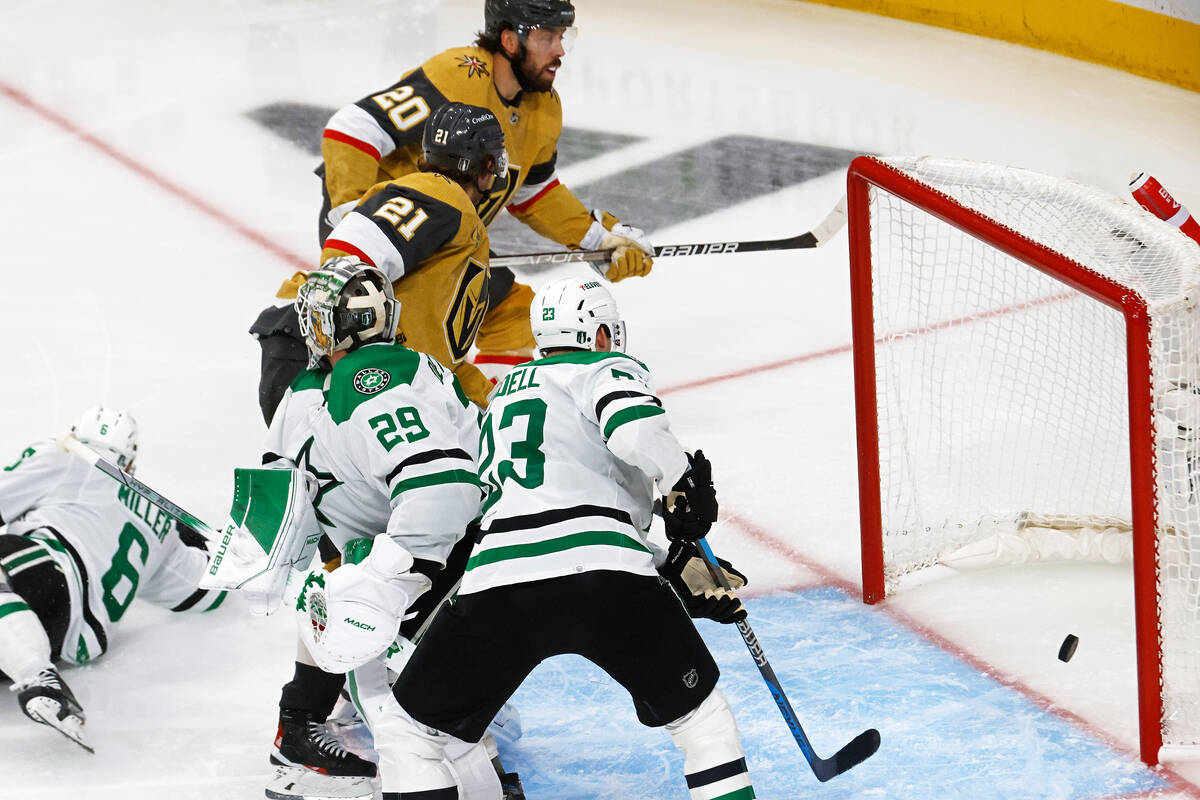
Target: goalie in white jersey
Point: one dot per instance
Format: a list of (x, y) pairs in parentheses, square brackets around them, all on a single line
[(75, 549), (571, 448)]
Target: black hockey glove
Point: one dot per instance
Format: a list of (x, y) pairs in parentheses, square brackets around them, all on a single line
[(701, 594), (690, 508)]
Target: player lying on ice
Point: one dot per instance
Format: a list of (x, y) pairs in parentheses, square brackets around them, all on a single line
[(571, 449), (75, 548)]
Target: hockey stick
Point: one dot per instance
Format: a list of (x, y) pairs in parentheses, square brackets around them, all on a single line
[(822, 233), (858, 750), (69, 443)]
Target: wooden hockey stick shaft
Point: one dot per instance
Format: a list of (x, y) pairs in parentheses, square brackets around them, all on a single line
[(859, 749), (70, 444), (822, 233)]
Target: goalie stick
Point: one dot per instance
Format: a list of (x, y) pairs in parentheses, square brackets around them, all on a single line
[(70, 444), (858, 750), (822, 233)]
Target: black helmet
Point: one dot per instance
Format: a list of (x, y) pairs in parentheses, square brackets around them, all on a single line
[(464, 141), (523, 15)]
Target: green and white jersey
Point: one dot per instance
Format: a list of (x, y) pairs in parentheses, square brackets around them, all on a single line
[(109, 542), (570, 449), (394, 446)]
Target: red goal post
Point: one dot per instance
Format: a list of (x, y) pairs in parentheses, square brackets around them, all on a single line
[(1016, 336)]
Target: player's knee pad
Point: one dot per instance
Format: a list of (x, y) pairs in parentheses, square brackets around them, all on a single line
[(24, 645), (714, 761), (412, 756)]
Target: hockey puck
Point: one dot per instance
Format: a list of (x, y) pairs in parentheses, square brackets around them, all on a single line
[(1068, 647)]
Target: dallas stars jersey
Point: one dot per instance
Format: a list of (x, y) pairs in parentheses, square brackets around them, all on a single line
[(109, 542), (379, 138), (423, 232), (393, 446), (570, 448)]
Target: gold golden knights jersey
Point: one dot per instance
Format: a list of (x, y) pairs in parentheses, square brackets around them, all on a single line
[(424, 233), (379, 139)]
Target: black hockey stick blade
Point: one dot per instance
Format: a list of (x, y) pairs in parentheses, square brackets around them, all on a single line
[(858, 750)]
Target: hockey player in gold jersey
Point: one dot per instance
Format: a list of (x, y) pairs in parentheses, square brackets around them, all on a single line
[(510, 71), (422, 230)]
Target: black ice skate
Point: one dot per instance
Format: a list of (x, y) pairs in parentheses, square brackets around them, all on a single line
[(310, 763), (47, 699)]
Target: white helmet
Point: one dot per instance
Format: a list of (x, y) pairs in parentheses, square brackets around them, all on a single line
[(568, 312), (344, 304), (113, 434)]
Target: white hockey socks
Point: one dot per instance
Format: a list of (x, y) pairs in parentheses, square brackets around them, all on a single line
[(24, 646), (713, 759)]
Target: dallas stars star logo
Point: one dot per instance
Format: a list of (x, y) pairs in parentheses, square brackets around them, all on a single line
[(474, 66), (325, 480)]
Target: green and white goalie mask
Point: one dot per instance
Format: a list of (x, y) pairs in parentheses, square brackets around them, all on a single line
[(271, 533), (345, 304), (568, 313)]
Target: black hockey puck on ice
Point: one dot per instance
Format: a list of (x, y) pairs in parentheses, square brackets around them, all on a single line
[(1068, 647)]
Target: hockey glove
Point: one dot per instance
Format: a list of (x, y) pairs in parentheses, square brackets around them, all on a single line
[(701, 594), (354, 613), (633, 255), (690, 508)]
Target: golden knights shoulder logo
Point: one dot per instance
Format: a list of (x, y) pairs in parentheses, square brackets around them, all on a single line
[(467, 310), (474, 66), (371, 380)]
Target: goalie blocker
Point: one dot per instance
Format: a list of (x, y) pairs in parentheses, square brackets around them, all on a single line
[(271, 532)]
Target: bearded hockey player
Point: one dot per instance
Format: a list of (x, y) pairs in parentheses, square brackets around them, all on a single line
[(571, 448), (76, 548), (510, 71), (407, 473)]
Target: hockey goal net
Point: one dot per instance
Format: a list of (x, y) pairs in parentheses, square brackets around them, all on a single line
[(1028, 348)]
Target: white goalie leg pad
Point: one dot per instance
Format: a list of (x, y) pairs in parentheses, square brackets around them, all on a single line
[(505, 727), (713, 759), (24, 646), (371, 691), (271, 532), (472, 765), (412, 757)]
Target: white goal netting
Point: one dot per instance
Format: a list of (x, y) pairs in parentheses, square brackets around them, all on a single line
[(1002, 392)]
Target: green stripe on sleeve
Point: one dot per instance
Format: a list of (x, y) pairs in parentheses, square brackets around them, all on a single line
[(23, 557), (449, 476), (629, 415), (556, 545), (745, 793), (13, 607)]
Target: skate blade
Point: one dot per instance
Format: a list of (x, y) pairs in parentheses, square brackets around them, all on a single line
[(45, 711), (297, 783)]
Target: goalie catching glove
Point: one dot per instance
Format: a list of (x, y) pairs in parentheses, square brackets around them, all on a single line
[(690, 508), (633, 255), (702, 596), (351, 615)]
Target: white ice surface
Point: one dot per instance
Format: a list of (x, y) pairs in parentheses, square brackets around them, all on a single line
[(117, 287)]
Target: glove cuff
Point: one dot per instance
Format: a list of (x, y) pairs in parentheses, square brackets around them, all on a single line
[(388, 560)]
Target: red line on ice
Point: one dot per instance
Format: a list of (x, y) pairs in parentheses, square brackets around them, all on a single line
[(127, 161)]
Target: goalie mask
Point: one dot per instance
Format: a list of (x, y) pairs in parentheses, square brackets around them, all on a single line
[(344, 305), (567, 313), (113, 434)]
